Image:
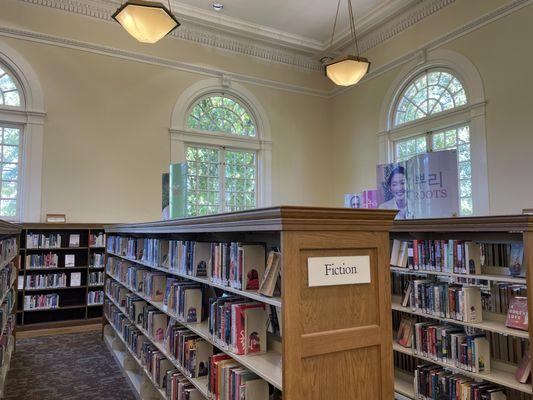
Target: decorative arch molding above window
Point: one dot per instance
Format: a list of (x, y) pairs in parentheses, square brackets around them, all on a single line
[(431, 98), (222, 122), (22, 115)]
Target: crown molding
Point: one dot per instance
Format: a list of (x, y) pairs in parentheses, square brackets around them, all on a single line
[(266, 43), (418, 54), (23, 34)]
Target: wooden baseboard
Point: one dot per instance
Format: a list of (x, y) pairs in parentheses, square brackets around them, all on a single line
[(59, 328)]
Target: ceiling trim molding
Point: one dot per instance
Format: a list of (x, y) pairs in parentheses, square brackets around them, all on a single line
[(194, 32), (43, 38), (463, 30), (267, 43)]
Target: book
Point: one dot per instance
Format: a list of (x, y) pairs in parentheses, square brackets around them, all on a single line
[(472, 257), (524, 368), (253, 266), (272, 272), (407, 294), (70, 260), (74, 240), (75, 279), (516, 260), (517, 317), (405, 332)]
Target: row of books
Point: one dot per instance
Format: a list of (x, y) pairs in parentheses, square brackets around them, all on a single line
[(45, 281), (6, 336), (451, 345), (95, 297), (96, 278), (457, 256), (8, 249), (44, 260), (500, 296), (41, 301), (6, 308), (97, 239), (96, 260), (437, 383), (151, 359), (462, 303), (242, 266), (228, 380), (6, 276), (43, 240), (506, 348), (237, 324)]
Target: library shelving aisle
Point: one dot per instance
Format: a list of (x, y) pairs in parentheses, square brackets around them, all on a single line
[(62, 274), (200, 305), (9, 265), (452, 285)]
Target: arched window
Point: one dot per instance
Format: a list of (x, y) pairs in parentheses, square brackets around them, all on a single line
[(424, 99), (220, 113), (222, 174), (9, 90), (10, 147)]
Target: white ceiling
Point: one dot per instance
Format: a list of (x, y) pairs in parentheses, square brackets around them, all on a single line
[(301, 23)]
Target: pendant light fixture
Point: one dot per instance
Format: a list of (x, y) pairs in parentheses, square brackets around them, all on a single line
[(146, 21), (349, 69)]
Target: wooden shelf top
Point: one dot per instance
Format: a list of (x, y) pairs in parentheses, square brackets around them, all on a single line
[(282, 218), (494, 223)]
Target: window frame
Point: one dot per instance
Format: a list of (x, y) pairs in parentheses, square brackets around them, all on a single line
[(429, 137), (473, 114), (222, 172), (20, 180), (181, 136)]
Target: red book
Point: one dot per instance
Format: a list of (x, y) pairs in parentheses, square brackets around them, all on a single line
[(517, 314), (524, 369), (415, 254)]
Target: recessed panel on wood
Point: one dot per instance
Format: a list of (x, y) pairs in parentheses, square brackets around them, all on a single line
[(320, 306), (345, 375)]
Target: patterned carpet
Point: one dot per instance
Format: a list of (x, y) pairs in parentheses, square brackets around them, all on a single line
[(66, 367)]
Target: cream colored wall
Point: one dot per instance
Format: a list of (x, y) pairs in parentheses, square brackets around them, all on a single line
[(106, 131), (501, 53)]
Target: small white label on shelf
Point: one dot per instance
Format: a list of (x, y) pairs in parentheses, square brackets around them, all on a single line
[(330, 271)]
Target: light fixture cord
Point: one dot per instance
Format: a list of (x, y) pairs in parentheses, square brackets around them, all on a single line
[(352, 28), (335, 24), (169, 7)]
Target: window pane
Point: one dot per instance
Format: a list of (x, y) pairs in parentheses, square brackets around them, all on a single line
[(430, 93), (202, 180), (9, 190), (407, 148), (9, 94), (458, 138), (9, 169), (221, 114), (8, 208), (240, 173)]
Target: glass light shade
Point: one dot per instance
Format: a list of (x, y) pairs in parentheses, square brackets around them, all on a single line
[(146, 22), (347, 70)]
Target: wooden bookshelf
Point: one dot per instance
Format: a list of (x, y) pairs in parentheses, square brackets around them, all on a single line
[(491, 230), (318, 347), (9, 231), (73, 305)]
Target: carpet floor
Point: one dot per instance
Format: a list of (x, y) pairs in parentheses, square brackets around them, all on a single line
[(74, 366)]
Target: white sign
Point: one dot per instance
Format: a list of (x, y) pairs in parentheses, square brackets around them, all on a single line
[(330, 271)]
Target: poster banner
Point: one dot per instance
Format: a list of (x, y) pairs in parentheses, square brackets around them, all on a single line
[(433, 185), (178, 190), (425, 186)]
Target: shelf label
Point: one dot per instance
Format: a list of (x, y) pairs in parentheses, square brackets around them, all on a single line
[(331, 271)]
